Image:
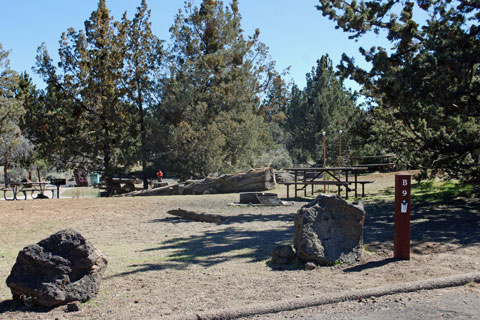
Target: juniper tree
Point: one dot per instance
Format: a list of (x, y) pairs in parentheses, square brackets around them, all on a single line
[(425, 90), (13, 145)]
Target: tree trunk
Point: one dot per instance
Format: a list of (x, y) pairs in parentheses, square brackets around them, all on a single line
[(248, 181), (143, 138), (5, 170), (107, 164)]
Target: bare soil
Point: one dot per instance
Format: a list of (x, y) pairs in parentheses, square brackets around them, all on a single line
[(160, 265)]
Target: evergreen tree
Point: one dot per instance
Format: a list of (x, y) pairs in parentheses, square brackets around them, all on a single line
[(13, 144), (323, 106), (88, 94), (212, 95), (425, 93), (143, 60)]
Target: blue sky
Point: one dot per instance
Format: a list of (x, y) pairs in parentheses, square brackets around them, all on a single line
[(296, 33)]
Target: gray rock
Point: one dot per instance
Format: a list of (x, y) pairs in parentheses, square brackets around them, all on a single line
[(63, 268), (329, 230), (310, 266), (282, 255)]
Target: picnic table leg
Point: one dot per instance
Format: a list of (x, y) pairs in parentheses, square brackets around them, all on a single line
[(5, 196), (356, 196), (288, 193), (296, 184), (363, 190), (346, 186), (305, 185)]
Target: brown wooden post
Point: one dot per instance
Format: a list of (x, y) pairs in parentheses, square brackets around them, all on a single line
[(401, 236)]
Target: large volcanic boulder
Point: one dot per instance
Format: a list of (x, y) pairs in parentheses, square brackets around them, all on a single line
[(63, 268), (329, 230)]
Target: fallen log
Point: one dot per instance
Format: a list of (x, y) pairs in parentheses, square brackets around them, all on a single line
[(247, 181), (202, 217)]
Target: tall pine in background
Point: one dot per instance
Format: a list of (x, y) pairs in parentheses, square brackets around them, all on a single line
[(324, 105), (213, 93), (88, 93), (143, 61)]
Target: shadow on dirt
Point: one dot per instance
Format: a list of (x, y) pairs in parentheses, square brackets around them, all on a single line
[(245, 237), (243, 218), (456, 222), (14, 306), (370, 265), (239, 237)]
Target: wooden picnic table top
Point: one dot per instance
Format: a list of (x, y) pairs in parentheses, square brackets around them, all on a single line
[(37, 183)]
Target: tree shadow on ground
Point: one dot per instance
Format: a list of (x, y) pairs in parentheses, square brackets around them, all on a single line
[(454, 221), (239, 237), (242, 218), (242, 237)]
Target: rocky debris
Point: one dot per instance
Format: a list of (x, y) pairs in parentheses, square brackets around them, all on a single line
[(310, 266), (73, 306), (62, 268), (201, 217), (329, 230), (283, 255)]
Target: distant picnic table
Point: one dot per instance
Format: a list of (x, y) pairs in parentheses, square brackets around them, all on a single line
[(338, 176), (16, 188)]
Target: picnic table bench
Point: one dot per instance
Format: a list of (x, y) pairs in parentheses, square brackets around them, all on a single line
[(309, 177)]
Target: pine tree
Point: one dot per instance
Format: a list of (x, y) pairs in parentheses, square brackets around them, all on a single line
[(425, 91), (89, 93), (143, 60), (323, 106), (212, 95)]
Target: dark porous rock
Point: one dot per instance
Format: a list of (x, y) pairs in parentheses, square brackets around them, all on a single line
[(73, 306), (329, 230), (283, 255), (60, 269)]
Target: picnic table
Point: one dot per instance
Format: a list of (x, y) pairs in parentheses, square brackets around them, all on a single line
[(339, 178), (33, 188)]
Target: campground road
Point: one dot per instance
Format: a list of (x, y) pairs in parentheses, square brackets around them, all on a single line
[(449, 303)]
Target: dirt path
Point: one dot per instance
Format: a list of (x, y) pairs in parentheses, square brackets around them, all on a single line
[(161, 265)]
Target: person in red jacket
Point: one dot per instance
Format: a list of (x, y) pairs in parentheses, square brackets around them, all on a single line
[(159, 175)]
